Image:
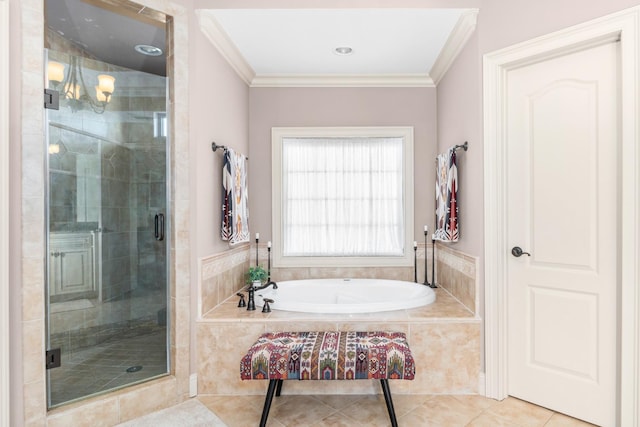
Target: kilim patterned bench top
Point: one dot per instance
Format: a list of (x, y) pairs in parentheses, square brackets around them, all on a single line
[(329, 355)]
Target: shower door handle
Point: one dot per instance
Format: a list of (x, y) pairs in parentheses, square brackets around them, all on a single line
[(159, 227)]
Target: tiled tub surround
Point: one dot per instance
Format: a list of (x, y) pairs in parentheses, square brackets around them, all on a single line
[(444, 336), (444, 339), (458, 273), (221, 276)]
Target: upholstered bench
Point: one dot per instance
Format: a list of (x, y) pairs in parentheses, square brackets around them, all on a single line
[(328, 355)]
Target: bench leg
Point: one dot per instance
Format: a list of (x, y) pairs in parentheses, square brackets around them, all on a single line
[(267, 402), (279, 388), (387, 398)]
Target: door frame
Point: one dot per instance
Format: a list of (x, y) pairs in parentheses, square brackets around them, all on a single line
[(625, 27), (5, 407)]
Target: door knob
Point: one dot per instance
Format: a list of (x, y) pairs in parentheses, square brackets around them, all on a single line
[(517, 252)]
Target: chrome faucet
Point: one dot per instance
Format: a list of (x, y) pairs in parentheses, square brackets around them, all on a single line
[(251, 304)]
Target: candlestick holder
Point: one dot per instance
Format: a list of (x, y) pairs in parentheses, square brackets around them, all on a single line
[(433, 264), (415, 263), (257, 239), (268, 264), (426, 268)]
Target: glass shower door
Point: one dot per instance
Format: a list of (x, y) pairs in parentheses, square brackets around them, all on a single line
[(107, 288)]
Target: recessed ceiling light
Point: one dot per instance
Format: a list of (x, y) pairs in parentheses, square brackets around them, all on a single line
[(343, 50), (148, 50)]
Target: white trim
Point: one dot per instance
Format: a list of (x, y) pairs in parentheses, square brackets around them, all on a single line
[(5, 407), (379, 80), (278, 133), (625, 26), (220, 39), (461, 33), (482, 389), (193, 385)]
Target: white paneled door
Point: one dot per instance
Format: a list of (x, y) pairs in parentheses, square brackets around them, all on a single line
[(563, 215)]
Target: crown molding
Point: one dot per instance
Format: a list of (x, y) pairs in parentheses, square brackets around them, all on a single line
[(212, 29), (465, 26), (343, 80), (463, 29)]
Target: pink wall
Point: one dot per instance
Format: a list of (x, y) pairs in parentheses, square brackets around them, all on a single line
[(503, 23), (459, 94), (271, 107), (219, 111)]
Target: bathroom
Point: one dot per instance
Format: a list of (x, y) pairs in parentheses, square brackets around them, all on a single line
[(211, 102)]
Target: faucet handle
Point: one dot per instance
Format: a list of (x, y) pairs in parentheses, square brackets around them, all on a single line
[(241, 302), (266, 308)]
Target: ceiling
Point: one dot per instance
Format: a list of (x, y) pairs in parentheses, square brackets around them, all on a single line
[(110, 33), (291, 47), (282, 47)]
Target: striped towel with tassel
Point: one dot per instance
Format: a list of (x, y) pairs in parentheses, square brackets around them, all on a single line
[(235, 198), (446, 197)]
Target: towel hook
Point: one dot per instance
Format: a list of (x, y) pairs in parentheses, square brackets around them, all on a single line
[(464, 146), (215, 147)]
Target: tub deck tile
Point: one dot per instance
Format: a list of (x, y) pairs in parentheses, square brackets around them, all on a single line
[(445, 307)]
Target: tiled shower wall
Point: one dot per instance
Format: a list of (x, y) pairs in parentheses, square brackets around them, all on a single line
[(110, 173)]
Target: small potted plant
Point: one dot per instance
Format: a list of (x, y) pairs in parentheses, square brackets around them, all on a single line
[(256, 275)]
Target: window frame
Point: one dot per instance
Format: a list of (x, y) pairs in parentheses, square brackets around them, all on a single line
[(279, 133)]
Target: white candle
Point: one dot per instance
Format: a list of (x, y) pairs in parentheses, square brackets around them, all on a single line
[(257, 236), (433, 237), (269, 244), (426, 229), (415, 244)]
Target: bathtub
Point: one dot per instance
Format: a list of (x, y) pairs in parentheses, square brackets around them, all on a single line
[(346, 295)]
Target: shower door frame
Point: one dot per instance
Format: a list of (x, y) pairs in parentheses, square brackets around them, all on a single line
[(28, 287), (166, 209), (5, 368), (97, 251)]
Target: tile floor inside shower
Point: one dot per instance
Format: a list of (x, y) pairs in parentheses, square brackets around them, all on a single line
[(128, 352), (108, 366)]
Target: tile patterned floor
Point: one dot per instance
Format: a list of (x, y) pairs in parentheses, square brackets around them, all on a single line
[(370, 410), (104, 366)]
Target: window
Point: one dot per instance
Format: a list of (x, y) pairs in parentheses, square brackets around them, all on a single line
[(159, 124), (342, 196)]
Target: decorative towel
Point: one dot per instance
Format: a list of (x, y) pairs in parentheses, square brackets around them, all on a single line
[(446, 197), (235, 198)]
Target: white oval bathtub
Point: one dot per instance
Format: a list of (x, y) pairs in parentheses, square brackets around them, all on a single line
[(346, 295)]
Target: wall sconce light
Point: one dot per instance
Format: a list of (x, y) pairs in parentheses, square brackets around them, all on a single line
[(74, 89)]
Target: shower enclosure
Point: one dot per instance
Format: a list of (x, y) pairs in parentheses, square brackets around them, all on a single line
[(107, 278)]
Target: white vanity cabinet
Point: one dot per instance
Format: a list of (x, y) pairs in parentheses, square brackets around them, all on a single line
[(72, 258)]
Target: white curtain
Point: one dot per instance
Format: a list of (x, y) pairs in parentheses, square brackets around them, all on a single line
[(342, 196)]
